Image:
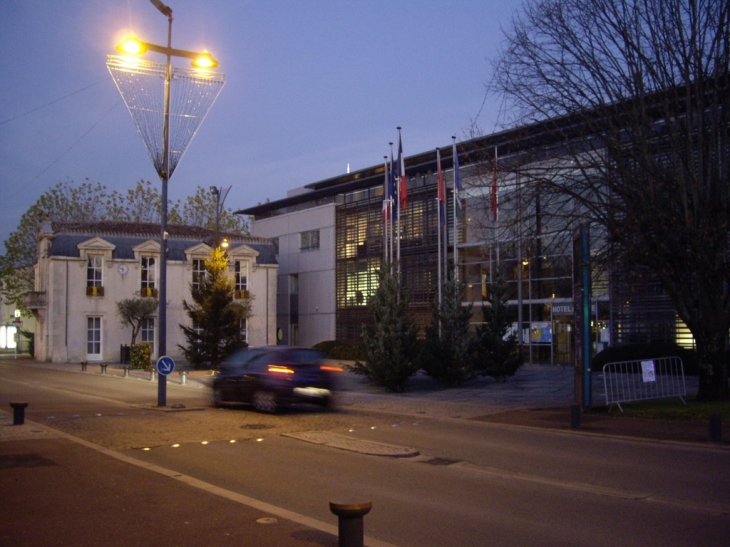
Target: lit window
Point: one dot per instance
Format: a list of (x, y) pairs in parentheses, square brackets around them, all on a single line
[(310, 240)]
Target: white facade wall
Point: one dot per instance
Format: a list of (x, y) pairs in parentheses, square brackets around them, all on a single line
[(314, 269), (62, 324)]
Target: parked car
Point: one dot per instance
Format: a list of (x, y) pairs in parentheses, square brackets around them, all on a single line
[(274, 376)]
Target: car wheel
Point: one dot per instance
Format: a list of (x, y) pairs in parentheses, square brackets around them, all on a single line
[(217, 400), (265, 401)]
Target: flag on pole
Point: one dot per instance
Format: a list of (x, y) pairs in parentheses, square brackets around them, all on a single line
[(441, 189), (401, 174), (495, 211), (386, 192), (457, 184), (392, 184)]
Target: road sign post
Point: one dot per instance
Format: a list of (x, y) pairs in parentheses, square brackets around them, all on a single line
[(165, 365)]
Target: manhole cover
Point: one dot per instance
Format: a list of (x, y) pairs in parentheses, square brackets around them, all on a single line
[(257, 426)]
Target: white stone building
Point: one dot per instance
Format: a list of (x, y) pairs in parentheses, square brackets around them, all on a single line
[(84, 269)]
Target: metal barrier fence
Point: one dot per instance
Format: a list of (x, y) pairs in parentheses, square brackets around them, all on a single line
[(627, 381)]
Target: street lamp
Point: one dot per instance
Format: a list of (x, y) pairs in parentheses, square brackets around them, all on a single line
[(127, 79), (220, 197)]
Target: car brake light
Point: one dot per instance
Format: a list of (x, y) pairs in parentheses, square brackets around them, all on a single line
[(331, 369), (280, 369)]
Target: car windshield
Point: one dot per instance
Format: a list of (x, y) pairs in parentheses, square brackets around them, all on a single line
[(241, 358)]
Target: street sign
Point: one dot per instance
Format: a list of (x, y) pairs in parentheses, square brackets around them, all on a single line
[(165, 365)]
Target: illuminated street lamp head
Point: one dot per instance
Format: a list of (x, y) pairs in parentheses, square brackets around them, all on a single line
[(131, 45), (204, 60), (225, 243)]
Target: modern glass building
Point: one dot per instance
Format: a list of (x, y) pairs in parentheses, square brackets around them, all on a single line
[(513, 234)]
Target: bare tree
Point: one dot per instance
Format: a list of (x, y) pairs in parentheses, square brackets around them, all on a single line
[(635, 94)]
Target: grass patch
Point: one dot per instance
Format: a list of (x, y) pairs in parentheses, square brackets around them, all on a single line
[(674, 409)]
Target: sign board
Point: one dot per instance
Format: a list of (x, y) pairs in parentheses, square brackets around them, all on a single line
[(647, 371), (165, 365)]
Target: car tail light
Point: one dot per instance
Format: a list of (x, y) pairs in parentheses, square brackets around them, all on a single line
[(280, 369), (330, 368)]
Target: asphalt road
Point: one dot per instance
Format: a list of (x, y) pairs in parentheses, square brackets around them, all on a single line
[(472, 483)]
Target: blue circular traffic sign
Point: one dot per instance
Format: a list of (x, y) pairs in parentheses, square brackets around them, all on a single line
[(165, 365)]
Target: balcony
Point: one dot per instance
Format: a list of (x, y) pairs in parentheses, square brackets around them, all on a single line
[(34, 300)]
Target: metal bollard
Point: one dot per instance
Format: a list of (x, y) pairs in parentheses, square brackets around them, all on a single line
[(574, 416), (153, 375), (18, 413), (183, 377), (126, 372), (716, 428), (103, 367), (83, 366), (350, 524)]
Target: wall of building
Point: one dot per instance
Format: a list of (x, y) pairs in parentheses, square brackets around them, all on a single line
[(62, 323), (306, 301)]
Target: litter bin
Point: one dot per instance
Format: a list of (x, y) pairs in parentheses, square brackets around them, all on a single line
[(124, 354)]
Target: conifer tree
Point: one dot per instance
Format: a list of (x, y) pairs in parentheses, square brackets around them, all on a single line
[(390, 345), (448, 347), (496, 354), (215, 317)]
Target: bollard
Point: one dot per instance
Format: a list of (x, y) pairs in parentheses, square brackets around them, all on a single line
[(574, 416), (126, 372), (716, 428), (103, 367), (18, 413), (183, 377), (350, 524), (153, 375), (83, 366)]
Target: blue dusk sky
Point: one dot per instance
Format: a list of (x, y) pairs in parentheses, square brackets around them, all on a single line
[(311, 86)]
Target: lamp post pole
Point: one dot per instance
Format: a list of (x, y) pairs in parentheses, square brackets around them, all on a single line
[(162, 160), (162, 350)]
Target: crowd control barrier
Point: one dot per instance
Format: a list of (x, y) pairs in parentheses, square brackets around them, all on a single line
[(627, 381)]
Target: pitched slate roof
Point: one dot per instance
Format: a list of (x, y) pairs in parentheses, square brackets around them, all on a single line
[(126, 235)]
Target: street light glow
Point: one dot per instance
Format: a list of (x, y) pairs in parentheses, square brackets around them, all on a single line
[(204, 60), (131, 46)]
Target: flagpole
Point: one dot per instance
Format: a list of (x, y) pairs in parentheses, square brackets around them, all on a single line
[(391, 204), (456, 198), (386, 210), (438, 210)]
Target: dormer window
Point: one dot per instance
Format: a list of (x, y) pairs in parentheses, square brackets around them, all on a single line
[(149, 276), (198, 272), (241, 279), (94, 269)]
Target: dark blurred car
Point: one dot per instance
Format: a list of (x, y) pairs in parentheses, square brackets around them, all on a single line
[(274, 376)]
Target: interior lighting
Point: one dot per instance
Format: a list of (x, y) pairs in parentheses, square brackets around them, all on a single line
[(232, 441), (204, 442), (146, 448), (176, 445)]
